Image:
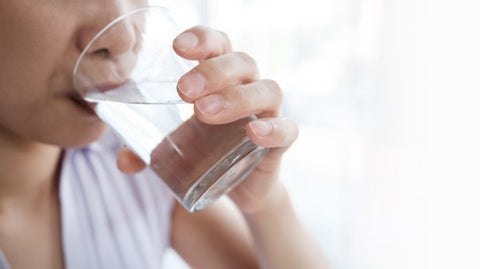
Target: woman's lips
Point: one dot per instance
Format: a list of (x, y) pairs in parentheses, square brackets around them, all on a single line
[(79, 101)]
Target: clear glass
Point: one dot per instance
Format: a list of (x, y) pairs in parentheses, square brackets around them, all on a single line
[(129, 71)]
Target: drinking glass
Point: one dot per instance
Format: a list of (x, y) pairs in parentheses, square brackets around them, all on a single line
[(129, 71)]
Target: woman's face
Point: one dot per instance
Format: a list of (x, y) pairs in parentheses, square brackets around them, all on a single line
[(40, 42)]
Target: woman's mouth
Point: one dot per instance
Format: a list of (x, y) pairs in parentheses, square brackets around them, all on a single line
[(80, 102)]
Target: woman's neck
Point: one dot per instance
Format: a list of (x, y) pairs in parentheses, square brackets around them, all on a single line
[(28, 171)]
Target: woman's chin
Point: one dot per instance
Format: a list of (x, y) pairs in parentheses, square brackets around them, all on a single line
[(88, 138), (78, 137)]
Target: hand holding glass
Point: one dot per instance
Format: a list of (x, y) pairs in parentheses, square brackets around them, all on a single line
[(130, 71)]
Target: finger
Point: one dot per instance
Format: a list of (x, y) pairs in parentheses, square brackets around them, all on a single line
[(128, 162), (272, 132), (262, 98), (216, 74), (200, 42)]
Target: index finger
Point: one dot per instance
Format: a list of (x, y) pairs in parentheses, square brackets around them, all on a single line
[(201, 42)]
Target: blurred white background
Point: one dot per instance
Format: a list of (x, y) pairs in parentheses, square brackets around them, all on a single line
[(385, 170)]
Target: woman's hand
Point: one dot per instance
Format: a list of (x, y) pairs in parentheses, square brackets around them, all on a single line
[(225, 86)]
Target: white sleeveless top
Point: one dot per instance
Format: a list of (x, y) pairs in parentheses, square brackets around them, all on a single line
[(109, 219)]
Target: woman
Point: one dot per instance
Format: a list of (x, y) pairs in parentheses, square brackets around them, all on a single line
[(62, 203)]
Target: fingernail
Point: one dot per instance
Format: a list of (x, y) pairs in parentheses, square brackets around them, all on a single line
[(192, 85), (261, 128), (210, 105), (185, 41)]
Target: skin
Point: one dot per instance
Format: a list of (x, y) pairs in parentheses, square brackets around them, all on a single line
[(40, 42)]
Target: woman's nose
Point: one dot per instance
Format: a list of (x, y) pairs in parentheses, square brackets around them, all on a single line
[(119, 38)]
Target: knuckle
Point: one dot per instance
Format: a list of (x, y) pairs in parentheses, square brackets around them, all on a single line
[(274, 88), (224, 39), (245, 97), (222, 35), (219, 41), (245, 58), (241, 100), (213, 69), (273, 85), (248, 64)]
